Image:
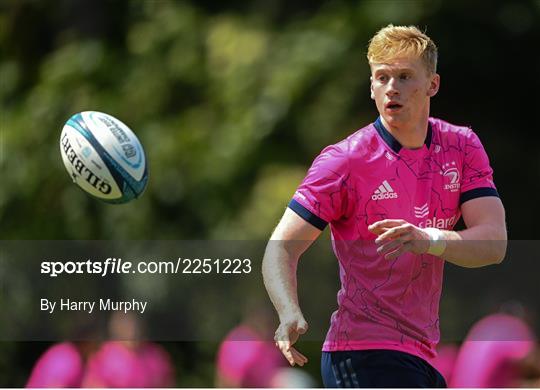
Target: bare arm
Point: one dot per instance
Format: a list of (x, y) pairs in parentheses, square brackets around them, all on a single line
[(482, 243), (290, 239)]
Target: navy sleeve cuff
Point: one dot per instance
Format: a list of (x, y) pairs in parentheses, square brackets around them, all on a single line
[(477, 193), (307, 215)]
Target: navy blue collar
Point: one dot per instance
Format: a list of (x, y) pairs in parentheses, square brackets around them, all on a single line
[(394, 143)]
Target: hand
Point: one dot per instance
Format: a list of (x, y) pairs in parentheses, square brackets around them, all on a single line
[(290, 328), (397, 236)]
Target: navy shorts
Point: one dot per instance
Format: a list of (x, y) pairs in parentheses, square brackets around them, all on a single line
[(378, 368)]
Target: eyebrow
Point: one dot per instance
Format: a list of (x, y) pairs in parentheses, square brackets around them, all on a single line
[(397, 70)]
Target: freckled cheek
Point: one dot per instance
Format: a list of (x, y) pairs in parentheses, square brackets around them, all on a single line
[(415, 93)]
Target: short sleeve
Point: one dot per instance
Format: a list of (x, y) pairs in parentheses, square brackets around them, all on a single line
[(323, 195), (477, 180)]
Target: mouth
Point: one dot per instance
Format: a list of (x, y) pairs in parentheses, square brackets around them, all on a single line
[(393, 106)]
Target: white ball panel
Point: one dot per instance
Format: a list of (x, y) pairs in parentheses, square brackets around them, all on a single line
[(85, 166), (118, 140)]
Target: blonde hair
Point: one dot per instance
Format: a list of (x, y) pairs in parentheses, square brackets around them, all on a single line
[(393, 42)]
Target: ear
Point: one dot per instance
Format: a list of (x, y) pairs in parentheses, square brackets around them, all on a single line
[(371, 87), (434, 85)]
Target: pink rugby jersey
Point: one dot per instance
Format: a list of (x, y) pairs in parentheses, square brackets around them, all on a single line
[(368, 177)]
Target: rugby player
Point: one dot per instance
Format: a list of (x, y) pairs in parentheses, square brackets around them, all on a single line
[(392, 193)]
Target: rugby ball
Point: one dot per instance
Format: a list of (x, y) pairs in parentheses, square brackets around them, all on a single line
[(104, 157)]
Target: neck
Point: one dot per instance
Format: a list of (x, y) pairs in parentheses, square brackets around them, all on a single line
[(410, 135)]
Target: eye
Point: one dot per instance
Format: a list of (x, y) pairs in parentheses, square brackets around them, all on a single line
[(404, 76), (382, 78)]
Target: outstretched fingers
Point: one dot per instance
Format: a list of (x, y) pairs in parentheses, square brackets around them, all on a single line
[(286, 335), (298, 357), (380, 227)]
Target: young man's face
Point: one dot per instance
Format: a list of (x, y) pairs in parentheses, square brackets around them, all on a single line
[(401, 90)]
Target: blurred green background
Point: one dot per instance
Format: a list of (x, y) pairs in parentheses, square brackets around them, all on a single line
[(232, 101)]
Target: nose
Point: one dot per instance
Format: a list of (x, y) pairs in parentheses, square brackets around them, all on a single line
[(391, 89)]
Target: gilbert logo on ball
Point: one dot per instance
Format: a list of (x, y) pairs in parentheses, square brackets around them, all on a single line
[(104, 157)]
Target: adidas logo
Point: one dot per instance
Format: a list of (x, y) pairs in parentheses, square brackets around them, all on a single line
[(421, 212), (385, 191)]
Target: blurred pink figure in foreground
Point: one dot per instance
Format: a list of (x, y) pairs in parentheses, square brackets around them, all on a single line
[(445, 360), (492, 353), (248, 356), (127, 361), (124, 362), (60, 366), (119, 365), (245, 359)]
